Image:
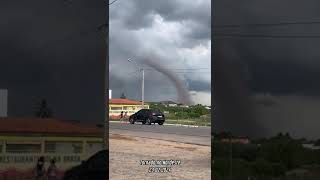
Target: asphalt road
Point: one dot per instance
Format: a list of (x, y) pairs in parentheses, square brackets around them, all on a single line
[(191, 135)]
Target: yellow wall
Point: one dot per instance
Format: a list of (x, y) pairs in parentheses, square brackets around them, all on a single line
[(66, 160), (116, 109)]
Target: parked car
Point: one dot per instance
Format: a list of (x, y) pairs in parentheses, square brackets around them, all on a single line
[(147, 116), (96, 167)]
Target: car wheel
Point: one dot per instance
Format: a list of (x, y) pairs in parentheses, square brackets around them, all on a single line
[(143, 122), (160, 123), (131, 121), (148, 121)]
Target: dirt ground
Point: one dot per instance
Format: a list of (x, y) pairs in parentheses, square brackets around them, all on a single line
[(126, 154)]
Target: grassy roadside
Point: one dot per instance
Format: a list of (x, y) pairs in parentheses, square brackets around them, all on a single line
[(195, 122)]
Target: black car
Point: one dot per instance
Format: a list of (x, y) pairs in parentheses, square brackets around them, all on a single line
[(147, 116), (96, 167)]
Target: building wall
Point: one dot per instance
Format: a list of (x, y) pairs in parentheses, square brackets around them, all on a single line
[(22, 152), (3, 103), (116, 109)]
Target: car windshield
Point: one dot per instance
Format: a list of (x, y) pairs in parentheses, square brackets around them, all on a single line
[(157, 111)]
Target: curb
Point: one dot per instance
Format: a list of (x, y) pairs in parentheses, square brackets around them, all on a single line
[(125, 122), (181, 125)]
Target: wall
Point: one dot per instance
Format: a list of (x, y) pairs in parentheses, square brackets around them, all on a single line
[(130, 109)]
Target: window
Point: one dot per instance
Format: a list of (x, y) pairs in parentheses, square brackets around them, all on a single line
[(116, 108), (63, 147), (50, 147), (23, 147)]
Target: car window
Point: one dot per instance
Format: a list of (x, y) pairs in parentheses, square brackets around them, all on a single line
[(140, 111), (157, 111), (145, 111)]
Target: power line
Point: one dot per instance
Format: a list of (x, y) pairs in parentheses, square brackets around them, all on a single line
[(190, 72), (188, 69), (179, 72), (240, 35), (265, 24)]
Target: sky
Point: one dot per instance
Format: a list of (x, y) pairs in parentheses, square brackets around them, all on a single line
[(174, 34), (52, 50), (267, 85)]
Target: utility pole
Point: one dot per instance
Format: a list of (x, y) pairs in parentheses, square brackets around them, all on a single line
[(142, 83), (142, 88)]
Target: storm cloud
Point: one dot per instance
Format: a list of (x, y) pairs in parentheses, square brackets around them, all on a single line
[(176, 31), (275, 59), (53, 50)]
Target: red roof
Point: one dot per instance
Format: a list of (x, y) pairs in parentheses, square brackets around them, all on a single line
[(31, 125), (124, 101)]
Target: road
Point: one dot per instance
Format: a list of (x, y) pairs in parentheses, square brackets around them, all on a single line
[(190, 135)]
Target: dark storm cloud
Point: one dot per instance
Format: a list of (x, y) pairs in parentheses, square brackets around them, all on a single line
[(176, 30), (298, 115), (46, 54), (284, 78), (285, 68), (284, 63), (137, 12), (183, 95), (234, 106), (199, 86)]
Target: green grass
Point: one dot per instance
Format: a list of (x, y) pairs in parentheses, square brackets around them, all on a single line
[(195, 122)]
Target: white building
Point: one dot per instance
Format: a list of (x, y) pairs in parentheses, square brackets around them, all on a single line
[(110, 94), (3, 102)]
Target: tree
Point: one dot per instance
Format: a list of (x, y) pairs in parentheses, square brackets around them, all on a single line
[(317, 143), (123, 96), (200, 110), (42, 110)]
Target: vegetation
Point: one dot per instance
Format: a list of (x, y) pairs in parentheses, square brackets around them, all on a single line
[(193, 115), (195, 111), (263, 158)]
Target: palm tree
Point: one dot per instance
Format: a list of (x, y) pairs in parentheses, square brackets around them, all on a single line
[(42, 110), (123, 96)]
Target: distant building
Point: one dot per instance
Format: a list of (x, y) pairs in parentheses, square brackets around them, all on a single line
[(183, 105), (227, 137), (110, 94), (169, 103), (3, 102), (118, 105), (24, 140), (297, 172), (236, 140), (310, 146)]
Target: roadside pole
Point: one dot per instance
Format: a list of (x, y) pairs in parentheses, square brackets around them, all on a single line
[(142, 88), (142, 83)]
